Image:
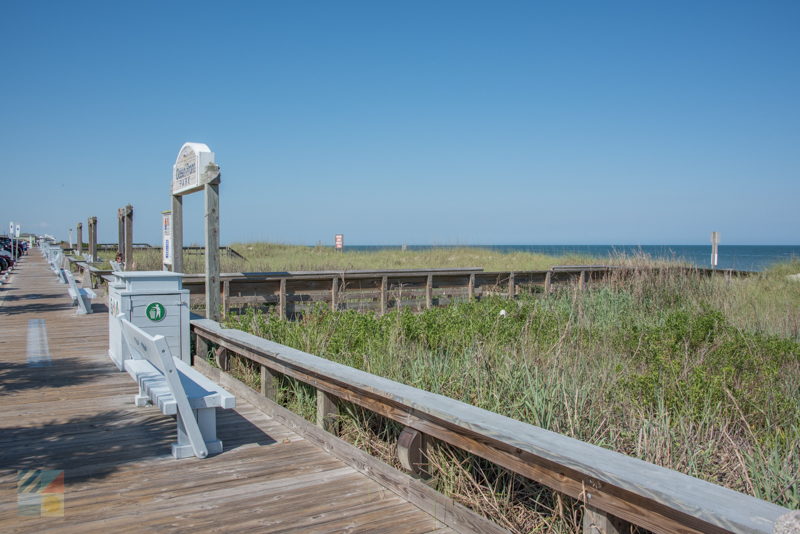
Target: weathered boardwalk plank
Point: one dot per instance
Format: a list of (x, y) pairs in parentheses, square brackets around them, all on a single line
[(65, 406)]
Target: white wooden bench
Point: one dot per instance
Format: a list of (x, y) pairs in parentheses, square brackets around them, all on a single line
[(176, 389), (81, 296)]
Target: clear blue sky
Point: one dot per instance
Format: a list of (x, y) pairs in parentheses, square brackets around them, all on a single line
[(419, 122)]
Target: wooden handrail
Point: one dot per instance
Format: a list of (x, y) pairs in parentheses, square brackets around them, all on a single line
[(609, 483)]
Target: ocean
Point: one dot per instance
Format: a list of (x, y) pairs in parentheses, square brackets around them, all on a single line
[(741, 257)]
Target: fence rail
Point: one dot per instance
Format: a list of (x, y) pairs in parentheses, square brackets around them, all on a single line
[(292, 293), (613, 487)]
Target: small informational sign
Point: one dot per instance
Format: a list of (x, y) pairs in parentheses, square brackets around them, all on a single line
[(166, 241), (155, 312), (16, 232), (10, 229), (189, 166), (714, 249), (339, 241)]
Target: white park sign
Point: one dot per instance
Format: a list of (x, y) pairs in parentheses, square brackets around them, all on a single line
[(188, 171), (195, 170)]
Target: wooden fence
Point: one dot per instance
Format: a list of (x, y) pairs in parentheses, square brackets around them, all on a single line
[(616, 490), (293, 293)]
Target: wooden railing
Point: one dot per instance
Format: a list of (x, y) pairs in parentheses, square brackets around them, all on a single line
[(381, 291), (613, 487)]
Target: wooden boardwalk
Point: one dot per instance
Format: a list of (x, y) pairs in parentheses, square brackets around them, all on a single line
[(64, 406)]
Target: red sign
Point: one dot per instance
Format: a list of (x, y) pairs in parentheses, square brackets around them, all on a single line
[(339, 241)]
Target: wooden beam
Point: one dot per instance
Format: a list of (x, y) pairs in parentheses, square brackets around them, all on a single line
[(80, 240), (596, 521), (127, 253), (282, 299), (384, 294), (412, 451), (334, 293), (268, 387), (226, 294), (177, 234), (327, 411), (212, 251), (120, 232), (429, 292), (471, 287), (547, 282), (512, 289), (582, 281)]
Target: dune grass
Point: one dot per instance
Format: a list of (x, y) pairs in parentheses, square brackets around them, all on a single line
[(270, 257), (696, 374)]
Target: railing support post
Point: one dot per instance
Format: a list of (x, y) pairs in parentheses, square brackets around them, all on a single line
[(548, 282), (282, 300), (384, 295), (335, 293), (512, 289), (599, 522), (268, 388), (429, 292), (226, 293), (471, 287), (412, 452), (327, 410), (582, 281), (201, 348)]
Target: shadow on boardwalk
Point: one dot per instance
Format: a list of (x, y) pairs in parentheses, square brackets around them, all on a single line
[(95, 446), (60, 372)]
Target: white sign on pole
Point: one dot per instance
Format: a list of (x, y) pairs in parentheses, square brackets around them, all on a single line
[(339, 241), (166, 241), (11, 229), (16, 232), (189, 166)]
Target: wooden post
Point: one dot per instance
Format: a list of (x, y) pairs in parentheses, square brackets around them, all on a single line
[(127, 253), (80, 239), (429, 292), (384, 294), (548, 282), (582, 281), (201, 348), (412, 451), (512, 289), (177, 234), (282, 299), (120, 233), (93, 238), (471, 287), (268, 388), (212, 251), (327, 410), (335, 293), (599, 522), (226, 293)]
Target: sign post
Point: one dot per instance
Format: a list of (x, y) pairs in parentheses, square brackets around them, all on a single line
[(195, 170), (714, 245), (339, 242), (166, 239), (11, 235)]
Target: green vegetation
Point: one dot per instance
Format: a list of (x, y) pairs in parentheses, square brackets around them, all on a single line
[(267, 257), (696, 374)]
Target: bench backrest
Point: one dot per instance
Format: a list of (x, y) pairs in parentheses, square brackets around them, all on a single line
[(155, 350), (82, 305)]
